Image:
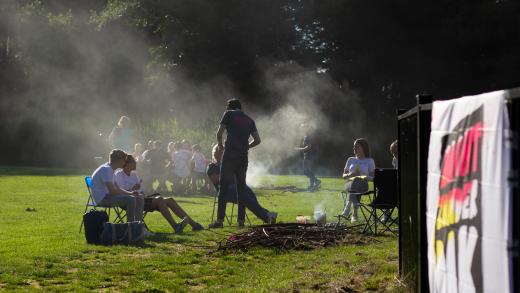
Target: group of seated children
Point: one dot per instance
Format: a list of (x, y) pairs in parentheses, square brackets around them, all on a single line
[(117, 184), (181, 164)]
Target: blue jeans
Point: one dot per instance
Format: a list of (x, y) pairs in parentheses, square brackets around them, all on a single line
[(132, 204), (233, 170)]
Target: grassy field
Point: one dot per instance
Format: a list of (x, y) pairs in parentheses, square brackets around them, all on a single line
[(40, 247)]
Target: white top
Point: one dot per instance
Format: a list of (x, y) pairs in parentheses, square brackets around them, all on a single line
[(103, 175), (181, 162), (394, 162), (365, 166), (200, 162), (126, 182)]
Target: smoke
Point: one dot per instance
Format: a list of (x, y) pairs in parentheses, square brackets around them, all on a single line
[(302, 96), (79, 79)]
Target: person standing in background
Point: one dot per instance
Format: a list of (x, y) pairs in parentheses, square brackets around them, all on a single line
[(309, 148), (122, 136)]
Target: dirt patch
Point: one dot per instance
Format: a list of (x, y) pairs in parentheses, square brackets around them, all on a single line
[(33, 284), (71, 271)]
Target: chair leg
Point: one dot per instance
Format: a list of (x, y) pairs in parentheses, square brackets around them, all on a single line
[(369, 213), (230, 220), (215, 202), (144, 223), (248, 221), (81, 225)]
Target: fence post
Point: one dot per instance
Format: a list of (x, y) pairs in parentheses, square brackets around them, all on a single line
[(423, 141)]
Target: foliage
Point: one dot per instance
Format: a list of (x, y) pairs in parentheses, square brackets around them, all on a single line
[(74, 54), (42, 249)]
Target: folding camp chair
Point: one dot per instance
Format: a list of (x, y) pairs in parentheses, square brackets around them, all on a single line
[(119, 212), (385, 200), (229, 220), (345, 196)]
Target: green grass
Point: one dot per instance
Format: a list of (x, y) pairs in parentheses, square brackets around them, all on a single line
[(43, 249)]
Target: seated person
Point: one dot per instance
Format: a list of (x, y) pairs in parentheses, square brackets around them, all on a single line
[(106, 193), (156, 160), (393, 151), (198, 166), (181, 167), (251, 201), (355, 168), (127, 179)]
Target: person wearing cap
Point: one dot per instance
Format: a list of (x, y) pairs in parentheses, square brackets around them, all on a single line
[(239, 127), (106, 192)]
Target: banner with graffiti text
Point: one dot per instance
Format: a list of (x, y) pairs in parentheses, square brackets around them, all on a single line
[(468, 205)]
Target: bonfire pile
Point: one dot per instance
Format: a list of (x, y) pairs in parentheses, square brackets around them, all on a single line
[(293, 236)]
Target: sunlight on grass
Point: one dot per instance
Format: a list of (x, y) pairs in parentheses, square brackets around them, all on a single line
[(42, 249)]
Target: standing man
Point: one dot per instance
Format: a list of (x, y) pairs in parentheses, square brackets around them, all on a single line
[(310, 149), (239, 128)]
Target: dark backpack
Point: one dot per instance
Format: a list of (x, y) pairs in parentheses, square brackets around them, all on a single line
[(130, 233), (93, 221)]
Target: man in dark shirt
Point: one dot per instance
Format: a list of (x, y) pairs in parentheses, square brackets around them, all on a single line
[(239, 128), (310, 150), (249, 201)]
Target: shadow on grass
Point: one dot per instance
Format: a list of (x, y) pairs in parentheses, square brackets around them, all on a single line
[(175, 196)]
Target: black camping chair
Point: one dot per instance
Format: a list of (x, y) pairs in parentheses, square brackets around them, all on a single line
[(385, 200), (119, 212), (345, 196)]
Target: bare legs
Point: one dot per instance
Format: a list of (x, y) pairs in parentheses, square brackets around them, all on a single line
[(164, 205)]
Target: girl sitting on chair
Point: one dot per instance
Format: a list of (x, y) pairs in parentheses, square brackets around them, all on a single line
[(358, 170), (127, 179)]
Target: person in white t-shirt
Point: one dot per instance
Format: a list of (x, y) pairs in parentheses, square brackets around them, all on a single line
[(198, 165), (106, 193), (358, 170), (128, 179), (181, 167)]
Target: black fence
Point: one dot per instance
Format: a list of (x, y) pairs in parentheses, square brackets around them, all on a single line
[(414, 128)]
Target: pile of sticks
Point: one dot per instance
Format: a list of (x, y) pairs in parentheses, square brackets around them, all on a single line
[(293, 236)]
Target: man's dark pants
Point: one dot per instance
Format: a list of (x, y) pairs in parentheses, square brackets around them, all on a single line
[(308, 170), (233, 167), (249, 201)]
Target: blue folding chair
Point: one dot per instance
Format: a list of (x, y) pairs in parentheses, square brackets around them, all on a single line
[(120, 212)]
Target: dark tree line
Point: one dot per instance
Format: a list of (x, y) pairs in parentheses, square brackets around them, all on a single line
[(387, 51)]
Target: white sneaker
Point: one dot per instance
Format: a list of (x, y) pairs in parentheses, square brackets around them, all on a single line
[(353, 220)]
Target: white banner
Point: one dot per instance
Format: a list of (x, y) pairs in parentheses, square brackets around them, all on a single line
[(468, 205)]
